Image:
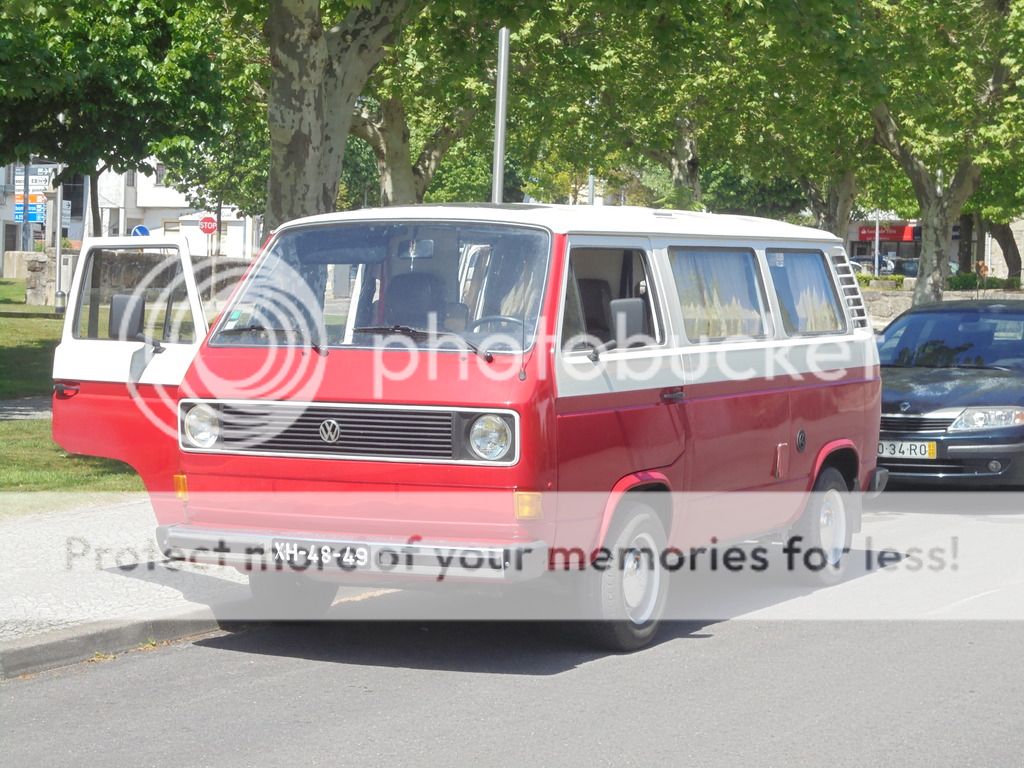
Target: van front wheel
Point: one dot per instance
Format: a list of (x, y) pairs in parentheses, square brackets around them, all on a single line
[(625, 599)]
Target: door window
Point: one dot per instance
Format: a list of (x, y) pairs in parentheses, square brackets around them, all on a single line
[(150, 280), (597, 276)]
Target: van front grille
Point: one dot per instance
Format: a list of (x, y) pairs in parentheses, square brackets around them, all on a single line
[(387, 433)]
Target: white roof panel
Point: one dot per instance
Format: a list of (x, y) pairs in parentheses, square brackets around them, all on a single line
[(587, 219)]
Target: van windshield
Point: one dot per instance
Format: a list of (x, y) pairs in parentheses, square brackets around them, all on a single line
[(426, 284)]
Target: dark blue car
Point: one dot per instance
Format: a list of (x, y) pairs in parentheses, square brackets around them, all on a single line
[(953, 395)]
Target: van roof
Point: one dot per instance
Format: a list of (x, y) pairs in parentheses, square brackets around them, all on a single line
[(597, 219)]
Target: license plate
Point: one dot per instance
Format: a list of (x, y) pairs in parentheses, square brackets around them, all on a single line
[(904, 449), (321, 555)]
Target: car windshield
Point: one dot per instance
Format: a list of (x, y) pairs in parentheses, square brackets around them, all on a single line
[(427, 284), (955, 339)]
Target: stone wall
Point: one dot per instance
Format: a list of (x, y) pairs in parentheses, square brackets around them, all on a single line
[(883, 306), (40, 279)]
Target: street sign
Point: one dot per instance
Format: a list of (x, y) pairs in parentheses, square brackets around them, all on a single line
[(207, 225), (140, 230), (65, 217)]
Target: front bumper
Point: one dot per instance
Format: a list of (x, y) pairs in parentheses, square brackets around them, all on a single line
[(389, 561), (960, 460)]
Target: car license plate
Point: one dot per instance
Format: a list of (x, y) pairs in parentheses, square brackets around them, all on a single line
[(904, 449), (321, 555)]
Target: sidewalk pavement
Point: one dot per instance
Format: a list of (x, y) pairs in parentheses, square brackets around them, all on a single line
[(92, 580), (36, 407)]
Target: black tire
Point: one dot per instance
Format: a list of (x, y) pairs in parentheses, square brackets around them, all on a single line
[(627, 608), (290, 596), (825, 530)]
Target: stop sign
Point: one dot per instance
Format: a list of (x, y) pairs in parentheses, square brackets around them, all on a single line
[(207, 225)]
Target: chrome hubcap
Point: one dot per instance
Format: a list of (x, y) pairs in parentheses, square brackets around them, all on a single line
[(832, 526), (641, 578)]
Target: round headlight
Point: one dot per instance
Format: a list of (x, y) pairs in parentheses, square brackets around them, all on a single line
[(490, 437), (202, 426)]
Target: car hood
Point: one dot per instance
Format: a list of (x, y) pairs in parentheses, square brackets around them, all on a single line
[(929, 389)]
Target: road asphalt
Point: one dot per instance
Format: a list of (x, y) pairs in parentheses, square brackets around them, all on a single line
[(733, 693)]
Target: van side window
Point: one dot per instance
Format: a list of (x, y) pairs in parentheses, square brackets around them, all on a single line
[(720, 292), (597, 276), (807, 294)]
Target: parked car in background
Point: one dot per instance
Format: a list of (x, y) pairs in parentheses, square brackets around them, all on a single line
[(953, 394)]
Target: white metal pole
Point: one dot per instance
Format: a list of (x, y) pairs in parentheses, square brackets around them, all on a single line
[(59, 219), (500, 107), (590, 188), (878, 256)]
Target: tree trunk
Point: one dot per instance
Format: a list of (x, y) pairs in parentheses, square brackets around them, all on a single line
[(832, 210), (684, 162), (1004, 236), (981, 228), (387, 132), (940, 205), (94, 203), (964, 252), (397, 181), (316, 76)]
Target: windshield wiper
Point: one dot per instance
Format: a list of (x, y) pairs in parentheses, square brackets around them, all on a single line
[(422, 334), (320, 349)]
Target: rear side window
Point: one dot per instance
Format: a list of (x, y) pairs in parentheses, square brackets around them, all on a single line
[(720, 292), (807, 295)]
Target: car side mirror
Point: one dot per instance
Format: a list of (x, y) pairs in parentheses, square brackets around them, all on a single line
[(127, 316), (628, 317), (628, 320)]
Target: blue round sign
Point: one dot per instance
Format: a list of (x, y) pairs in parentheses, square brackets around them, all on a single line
[(140, 230)]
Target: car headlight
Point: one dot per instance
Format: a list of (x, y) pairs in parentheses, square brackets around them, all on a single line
[(202, 426), (490, 437), (988, 418)]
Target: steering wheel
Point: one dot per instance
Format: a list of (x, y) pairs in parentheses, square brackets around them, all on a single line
[(494, 319)]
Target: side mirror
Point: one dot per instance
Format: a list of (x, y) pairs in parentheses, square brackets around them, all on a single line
[(127, 316), (628, 319)]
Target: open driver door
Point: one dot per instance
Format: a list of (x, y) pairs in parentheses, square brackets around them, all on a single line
[(134, 323)]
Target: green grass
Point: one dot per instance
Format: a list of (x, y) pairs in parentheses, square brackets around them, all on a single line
[(26, 355), (31, 461), (12, 292)]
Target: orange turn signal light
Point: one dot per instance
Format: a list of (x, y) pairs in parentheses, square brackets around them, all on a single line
[(181, 487), (528, 505)]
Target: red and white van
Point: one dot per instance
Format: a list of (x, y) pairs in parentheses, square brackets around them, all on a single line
[(444, 382)]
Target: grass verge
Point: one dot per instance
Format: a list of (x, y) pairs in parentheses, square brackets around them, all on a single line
[(31, 461), (26, 355)]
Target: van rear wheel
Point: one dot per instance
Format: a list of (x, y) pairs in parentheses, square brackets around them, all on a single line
[(825, 530), (626, 599)]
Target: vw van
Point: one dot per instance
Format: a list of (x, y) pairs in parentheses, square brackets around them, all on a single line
[(478, 392)]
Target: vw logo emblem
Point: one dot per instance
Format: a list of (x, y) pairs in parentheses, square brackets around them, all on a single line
[(330, 431), (904, 407)]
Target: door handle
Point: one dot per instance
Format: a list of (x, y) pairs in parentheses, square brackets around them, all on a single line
[(65, 390), (673, 396)]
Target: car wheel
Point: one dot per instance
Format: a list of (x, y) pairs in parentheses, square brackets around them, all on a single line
[(290, 596), (825, 530), (626, 599)]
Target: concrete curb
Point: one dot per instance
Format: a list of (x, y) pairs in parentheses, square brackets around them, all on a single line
[(61, 647)]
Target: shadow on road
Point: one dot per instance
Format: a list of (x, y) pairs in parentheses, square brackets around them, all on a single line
[(355, 636)]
